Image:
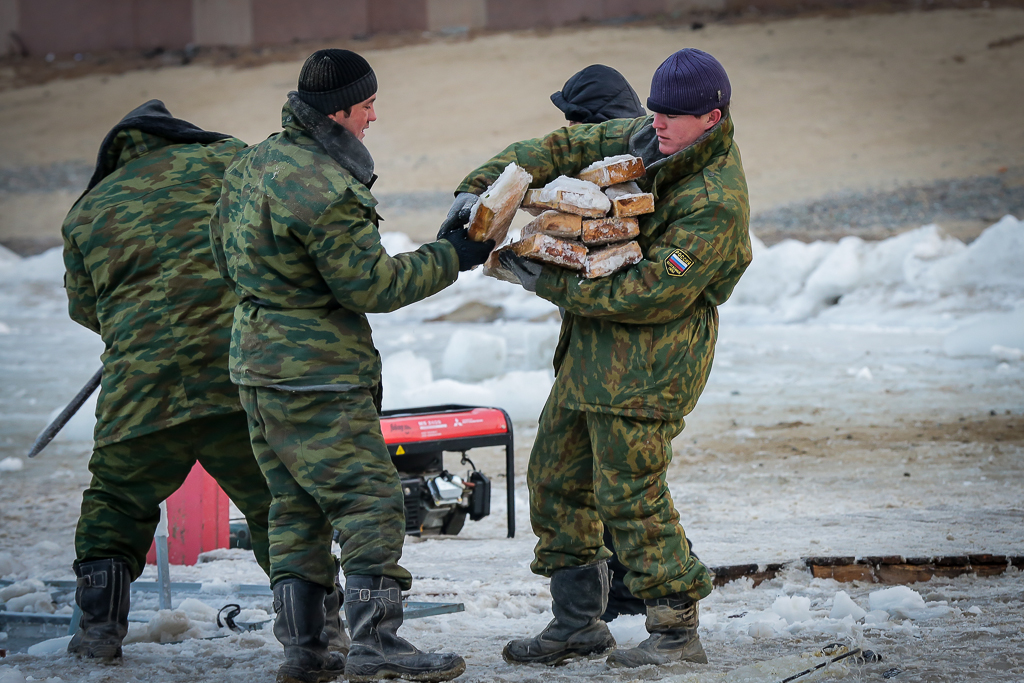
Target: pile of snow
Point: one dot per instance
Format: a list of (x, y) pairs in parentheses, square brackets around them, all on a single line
[(409, 381), (45, 267), (29, 595), (793, 282), (472, 356)]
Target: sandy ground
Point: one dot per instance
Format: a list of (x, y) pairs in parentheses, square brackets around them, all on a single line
[(822, 105)]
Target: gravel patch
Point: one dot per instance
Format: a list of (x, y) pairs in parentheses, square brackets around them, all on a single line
[(977, 202)]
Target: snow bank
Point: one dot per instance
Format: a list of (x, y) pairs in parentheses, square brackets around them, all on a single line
[(472, 356), (997, 334), (45, 267), (409, 381), (792, 281)]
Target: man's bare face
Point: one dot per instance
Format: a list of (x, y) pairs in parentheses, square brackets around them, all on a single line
[(359, 118), (677, 132)]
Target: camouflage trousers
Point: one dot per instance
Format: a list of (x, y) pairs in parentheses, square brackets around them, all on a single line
[(130, 478), (593, 470), (327, 466)]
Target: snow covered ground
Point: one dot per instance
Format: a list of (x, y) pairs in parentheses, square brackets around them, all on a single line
[(866, 399)]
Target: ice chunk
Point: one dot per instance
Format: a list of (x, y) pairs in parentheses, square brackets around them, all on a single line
[(906, 603), (11, 464), (20, 588), (761, 629), (54, 646), (39, 603), (472, 356), (843, 606), (793, 609)]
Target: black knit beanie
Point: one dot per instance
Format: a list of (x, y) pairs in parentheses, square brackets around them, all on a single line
[(332, 80)]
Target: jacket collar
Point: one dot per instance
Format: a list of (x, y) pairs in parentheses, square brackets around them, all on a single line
[(298, 118), (685, 162)]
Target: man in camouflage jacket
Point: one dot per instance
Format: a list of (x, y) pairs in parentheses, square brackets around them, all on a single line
[(140, 273), (633, 356), (296, 236)]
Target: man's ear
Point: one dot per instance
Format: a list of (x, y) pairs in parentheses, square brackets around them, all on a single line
[(714, 116)]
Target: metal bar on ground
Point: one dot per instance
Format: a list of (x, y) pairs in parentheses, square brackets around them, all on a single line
[(163, 565)]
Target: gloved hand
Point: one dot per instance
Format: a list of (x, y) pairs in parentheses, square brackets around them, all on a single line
[(471, 254), (524, 270), (458, 215)]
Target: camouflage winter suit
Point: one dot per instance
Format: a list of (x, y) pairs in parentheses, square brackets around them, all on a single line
[(140, 273), (634, 353), (296, 235)]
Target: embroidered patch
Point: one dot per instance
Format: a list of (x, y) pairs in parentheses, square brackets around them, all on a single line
[(677, 263)]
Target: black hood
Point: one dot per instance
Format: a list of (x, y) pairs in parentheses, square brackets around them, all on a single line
[(596, 94), (154, 119)]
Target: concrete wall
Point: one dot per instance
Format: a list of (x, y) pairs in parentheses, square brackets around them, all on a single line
[(69, 26)]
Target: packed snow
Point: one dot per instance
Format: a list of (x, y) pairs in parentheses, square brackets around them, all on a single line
[(866, 399)]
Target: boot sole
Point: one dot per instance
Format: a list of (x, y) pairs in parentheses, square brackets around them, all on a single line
[(106, 654), (692, 653), (557, 658), (388, 672)]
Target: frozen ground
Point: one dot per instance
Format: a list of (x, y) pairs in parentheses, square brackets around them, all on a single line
[(866, 399)]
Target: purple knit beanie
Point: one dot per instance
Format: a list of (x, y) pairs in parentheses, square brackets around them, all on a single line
[(689, 82)]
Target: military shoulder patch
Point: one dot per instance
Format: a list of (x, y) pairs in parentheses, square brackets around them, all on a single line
[(678, 262)]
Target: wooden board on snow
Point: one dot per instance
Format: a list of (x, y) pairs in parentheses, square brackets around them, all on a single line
[(494, 211), (556, 224), (609, 230), (548, 249), (613, 170), (608, 260)]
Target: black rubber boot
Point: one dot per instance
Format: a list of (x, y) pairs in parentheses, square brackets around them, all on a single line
[(103, 594), (299, 626), (373, 605), (672, 622), (579, 596), (337, 638)]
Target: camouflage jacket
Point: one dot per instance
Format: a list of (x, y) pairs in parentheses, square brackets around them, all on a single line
[(140, 273), (640, 342), (296, 235)]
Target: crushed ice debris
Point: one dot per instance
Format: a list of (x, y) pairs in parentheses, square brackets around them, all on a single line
[(905, 603)]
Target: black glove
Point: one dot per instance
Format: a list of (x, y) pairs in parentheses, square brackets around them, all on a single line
[(458, 215), (471, 254), (524, 270)]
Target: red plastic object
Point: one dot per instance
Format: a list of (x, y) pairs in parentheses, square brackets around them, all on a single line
[(456, 425), (197, 519)]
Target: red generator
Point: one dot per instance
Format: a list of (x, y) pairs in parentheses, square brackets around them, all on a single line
[(437, 501)]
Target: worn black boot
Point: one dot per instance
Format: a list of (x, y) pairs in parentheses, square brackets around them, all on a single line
[(300, 628), (373, 605), (579, 596), (103, 594), (672, 623), (337, 638)]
